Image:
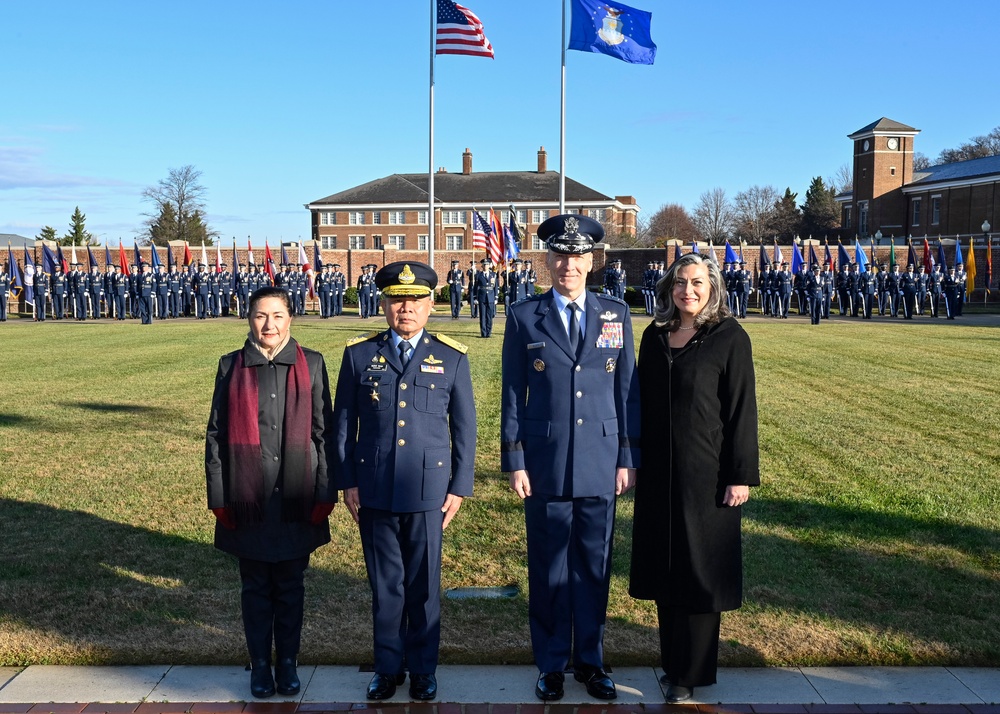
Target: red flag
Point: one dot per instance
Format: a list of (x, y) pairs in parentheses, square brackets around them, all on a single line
[(123, 259), (989, 262), (928, 258), (187, 255), (495, 246), (218, 258), (268, 261), (249, 253)]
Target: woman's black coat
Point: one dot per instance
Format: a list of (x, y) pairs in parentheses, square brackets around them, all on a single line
[(699, 435)]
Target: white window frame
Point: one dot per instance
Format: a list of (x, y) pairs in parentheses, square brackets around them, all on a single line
[(327, 218), (599, 214), (376, 218), (422, 218), (863, 217), (936, 210), (539, 216), (915, 212), (376, 242), (397, 218), (356, 218), (536, 243), (453, 218), (397, 241), (422, 242), (328, 242), (454, 241), (356, 242)]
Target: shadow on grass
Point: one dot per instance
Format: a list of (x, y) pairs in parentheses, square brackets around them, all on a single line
[(79, 589), (111, 408), (17, 420)]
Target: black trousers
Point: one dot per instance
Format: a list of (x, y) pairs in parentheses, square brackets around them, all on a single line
[(272, 599), (689, 645)]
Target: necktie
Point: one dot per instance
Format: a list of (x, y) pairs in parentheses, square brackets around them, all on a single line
[(574, 328), (404, 352)]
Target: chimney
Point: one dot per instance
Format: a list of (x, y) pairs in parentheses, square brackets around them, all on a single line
[(442, 170), (467, 162), (542, 160)]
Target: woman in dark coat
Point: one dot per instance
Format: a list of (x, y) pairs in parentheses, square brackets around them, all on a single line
[(266, 465), (699, 455)]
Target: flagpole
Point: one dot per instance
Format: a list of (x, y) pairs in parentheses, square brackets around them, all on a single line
[(562, 118), (430, 155)]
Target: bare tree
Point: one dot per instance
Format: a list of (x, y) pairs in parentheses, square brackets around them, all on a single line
[(182, 195), (976, 148), (842, 180), (713, 216), (754, 211), (920, 162), (671, 220)]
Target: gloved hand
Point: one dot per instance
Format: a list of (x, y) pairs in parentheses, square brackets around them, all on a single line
[(225, 518), (321, 512)]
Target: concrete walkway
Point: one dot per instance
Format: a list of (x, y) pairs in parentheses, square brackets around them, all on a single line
[(165, 689)]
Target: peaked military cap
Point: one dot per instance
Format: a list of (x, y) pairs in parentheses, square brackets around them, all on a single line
[(571, 233), (406, 278)]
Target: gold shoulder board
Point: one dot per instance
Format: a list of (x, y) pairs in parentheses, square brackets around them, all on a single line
[(361, 338), (455, 345)]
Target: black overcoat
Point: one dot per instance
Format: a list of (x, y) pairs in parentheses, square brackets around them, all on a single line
[(699, 435), (273, 540)]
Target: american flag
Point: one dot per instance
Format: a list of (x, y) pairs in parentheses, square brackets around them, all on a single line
[(496, 238), (479, 230), (459, 31)]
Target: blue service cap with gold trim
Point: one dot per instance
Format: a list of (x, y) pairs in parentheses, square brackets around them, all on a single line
[(406, 278), (571, 233)]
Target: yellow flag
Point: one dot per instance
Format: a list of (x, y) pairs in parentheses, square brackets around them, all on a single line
[(970, 270)]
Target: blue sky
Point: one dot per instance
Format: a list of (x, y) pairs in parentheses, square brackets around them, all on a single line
[(282, 103)]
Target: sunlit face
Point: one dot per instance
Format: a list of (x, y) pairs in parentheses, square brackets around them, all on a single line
[(692, 289), (406, 315), (569, 272), (270, 322)]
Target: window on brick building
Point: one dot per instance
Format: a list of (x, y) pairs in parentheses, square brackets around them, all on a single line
[(327, 218), (598, 214), (539, 216), (397, 218), (421, 242), (356, 218), (453, 218), (376, 242), (377, 217), (935, 210), (454, 242), (422, 218), (328, 242), (863, 217), (536, 243), (398, 242), (356, 242), (847, 216), (916, 212)]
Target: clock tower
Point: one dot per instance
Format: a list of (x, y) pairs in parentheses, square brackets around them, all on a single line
[(883, 164)]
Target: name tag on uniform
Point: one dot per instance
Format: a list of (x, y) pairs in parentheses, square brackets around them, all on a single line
[(612, 336), (433, 368), (376, 368), (535, 345)]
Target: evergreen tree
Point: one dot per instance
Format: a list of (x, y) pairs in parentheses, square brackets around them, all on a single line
[(77, 234), (164, 227), (820, 214), (48, 233), (786, 222)]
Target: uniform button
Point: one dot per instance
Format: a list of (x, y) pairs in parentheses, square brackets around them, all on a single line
[(579, 394), (362, 461), (401, 442), (273, 396), (402, 405), (401, 423), (440, 463), (403, 385), (579, 422), (273, 427), (432, 386), (275, 458), (277, 490), (577, 368)]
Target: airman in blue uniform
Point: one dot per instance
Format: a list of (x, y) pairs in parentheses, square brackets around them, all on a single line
[(144, 294), (405, 422), (814, 289), (486, 296), (614, 279), (199, 286), (119, 286), (456, 285), (161, 289), (569, 442), (339, 287), (40, 282)]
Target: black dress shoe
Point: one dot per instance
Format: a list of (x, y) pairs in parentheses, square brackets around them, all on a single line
[(423, 686), (286, 678), (599, 684), (550, 686), (665, 679), (677, 693), (261, 679), (383, 686)]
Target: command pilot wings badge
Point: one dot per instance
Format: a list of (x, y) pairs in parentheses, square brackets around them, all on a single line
[(609, 316)]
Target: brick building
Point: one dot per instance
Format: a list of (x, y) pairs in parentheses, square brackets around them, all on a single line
[(949, 200)]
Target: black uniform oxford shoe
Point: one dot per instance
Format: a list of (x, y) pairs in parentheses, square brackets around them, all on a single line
[(423, 686), (599, 684), (383, 686), (550, 686)]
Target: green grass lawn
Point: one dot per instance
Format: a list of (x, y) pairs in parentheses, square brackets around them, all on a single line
[(874, 539)]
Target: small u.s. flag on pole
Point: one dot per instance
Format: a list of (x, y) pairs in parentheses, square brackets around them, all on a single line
[(459, 31)]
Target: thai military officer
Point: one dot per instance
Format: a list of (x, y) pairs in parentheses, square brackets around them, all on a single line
[(486, 296), (868, 289), (843, 290), (58, 293), (470, 280), (829, 280), (199, 286), (456, 284), (935, 282), (161, 291), (814, 289), (649, 287), (923, 281), (908, 291), (144, 293), (950, 288), (405, 441), (783, 283), (339, 288), (961, 276), (40, 282), (530, 278), (744, 286), (173, 292), (366, 285), (119, 286), (226, 288), (894, 289), (569, 368), (614, 280)]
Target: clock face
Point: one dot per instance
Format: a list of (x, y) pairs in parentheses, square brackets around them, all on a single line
[(893, 144), (865, 145)]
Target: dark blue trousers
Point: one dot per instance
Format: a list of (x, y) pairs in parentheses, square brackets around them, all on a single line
[(403, 558), (569, 572)]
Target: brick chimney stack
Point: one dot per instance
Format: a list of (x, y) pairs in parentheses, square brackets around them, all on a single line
[(542, 160), (467, 162)]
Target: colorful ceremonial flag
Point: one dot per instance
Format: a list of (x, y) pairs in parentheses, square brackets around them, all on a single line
[(958, 252), (871, 253), (62, 259), (306, 268), (912, 254), (480, 232), (813, 260), (677, 251), (49, 260), (796, 259), (970, 270), (694, 247), (827, 258), (765, 261), (73, 252), (942, 260), (250, 260), (218, 258), (495, 237), (14, 276), (154, 257), (516, 232), (459, 32), (988, 277), (204, 255), (511, 251), (91, 260), (892, 253), (711, 253), (236, 267), (859, 257), (122, 259), (616, 30), (188, 259), (137, 256), (843, 259), (928, 258), (730, 255), (268, 261), (171, 261), (778, 258), (29, 278), (317, 257), (107, 255)]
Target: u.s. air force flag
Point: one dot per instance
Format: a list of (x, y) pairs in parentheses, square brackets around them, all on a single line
[(612, 29)]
